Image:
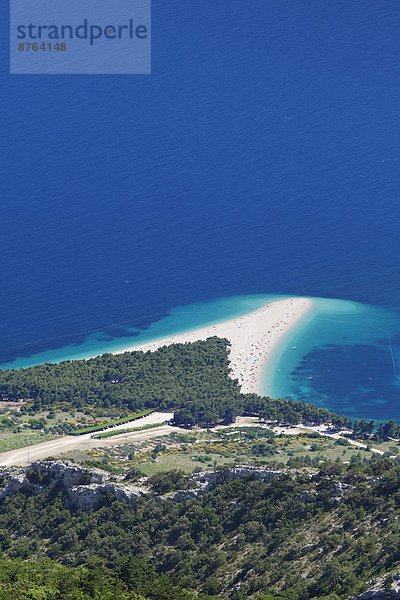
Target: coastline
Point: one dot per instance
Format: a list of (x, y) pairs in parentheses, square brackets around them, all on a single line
[(285, 355), (253, 338), (177, 320)]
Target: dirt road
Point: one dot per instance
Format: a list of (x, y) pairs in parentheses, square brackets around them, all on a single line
[(24, 456)]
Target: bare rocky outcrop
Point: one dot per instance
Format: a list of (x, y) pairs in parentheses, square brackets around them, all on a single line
[(341, 490), (87, 497), (307, 496), (393, 594), (17, 482), (85, 489), (182, 495), (209, 479), (378, 592)]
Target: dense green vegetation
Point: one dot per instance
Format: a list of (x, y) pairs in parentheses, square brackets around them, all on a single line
[(47, 580), (387, 430), (191, 378), (291, 412), (320, 531), (299, 537), (173, 377)]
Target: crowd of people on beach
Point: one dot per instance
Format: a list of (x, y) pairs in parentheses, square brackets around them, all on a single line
[(252, 336), (247, 367)]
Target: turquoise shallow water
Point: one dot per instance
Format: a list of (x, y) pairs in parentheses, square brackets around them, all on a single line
[(179, 319), (341, 355), (262, 154)]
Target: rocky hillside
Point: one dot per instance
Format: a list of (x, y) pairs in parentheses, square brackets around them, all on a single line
[(244, 532), (85, 489)]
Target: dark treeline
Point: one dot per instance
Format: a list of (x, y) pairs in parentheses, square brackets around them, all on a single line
[(173, 377), (244, 539), (193, 379), (387, 430), (291, 412)]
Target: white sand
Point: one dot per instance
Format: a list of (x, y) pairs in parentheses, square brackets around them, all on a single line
[(253, 338)]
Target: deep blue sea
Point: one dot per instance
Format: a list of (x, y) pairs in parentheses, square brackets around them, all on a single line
[(261, 157)]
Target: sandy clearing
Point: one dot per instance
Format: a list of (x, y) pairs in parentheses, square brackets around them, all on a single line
[(155, 417)]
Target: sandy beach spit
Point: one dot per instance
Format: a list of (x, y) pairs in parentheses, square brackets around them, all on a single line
[(252, 337)]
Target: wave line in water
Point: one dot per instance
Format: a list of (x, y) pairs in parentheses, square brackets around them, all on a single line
[(392, 354)]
